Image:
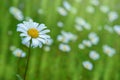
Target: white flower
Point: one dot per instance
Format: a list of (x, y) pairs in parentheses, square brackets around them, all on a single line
[(94, 55), (62, 11), (19, 53), (81, 46), (117, 29), (60, 24), (16, 13), (90, 9), (87, 43), (12, 48), (64, 47), (40, 11), (67, 5), (66, 37), (112, 16), (79, 27), (104, 9), (49, 42), (73, 10), (108, 50), (94, 2), (93, 38), (88, 65), (108, 28), (34, 32), (47, 48)]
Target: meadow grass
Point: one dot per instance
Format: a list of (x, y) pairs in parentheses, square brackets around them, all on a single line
[(55, 64)]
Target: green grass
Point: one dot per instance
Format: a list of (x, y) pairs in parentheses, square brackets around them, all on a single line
[(57, 65)]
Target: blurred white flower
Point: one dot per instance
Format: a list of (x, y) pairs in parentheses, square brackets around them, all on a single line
[(73, 10), (112, 16), (19, 53), (93, 38), (117, 29), (81, 46), (90, 9), (66, 37), (49, 42), (64, 47), (16, 13), (104, 9), (80, 22), (87, 43), (47, 48), (108, 28), (94, 2), (108, 50), (60, 24), (79, 27), (94, 55), (40, 11), (34, 32), (12, 47), (62, 11), (67, 5), (88, 65)]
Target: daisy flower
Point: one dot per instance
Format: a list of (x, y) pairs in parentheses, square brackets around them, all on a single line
[(93, 38), (62, 11), (16, 13), (117, 29), (81, 46), (34, 32), (112, 16), (94, 55), (67, 5), (104, 9), (19, 53), (64, 47), (108, 50), (88, 65), (87, 43)]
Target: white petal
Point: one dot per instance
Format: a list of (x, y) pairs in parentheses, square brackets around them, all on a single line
[(25, 40), (44, 36), (40, 44), (23, 34), (44, 31), (35, 43), (41, 27), (41, 40)]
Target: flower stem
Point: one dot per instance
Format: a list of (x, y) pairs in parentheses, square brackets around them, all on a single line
[(27, 64)]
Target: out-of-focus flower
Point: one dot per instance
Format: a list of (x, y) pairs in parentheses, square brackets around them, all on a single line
[(112, 16), (94, 2), (64, 47), (19, 53), (117, 29), (47, 48), (90, 9), (12, 47), (40, 11), (87, 43), (60, 24), (104, 9), (108, 50), (108, 28), (79, 27), (93, 38), (94, 55), (67, 5), (81, 46), (66, 37), (80, 22), (62, 11), (34, 32), (16, 13), (88, 65)]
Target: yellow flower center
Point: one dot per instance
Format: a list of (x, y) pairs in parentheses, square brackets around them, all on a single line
[(33, 32), (18, 54)]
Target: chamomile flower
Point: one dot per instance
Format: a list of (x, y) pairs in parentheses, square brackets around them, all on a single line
[(62, 11), (60, 24), (108, 50), (19, 53), (94, 2), (87, 43), (67, 5), (117, 29), (88, 65), (16, 13), (47, 48), (81, 46), (64, 47), (104, 9), (94, 55), (112, 16), (90, 9), (93, 38), (34, 32)]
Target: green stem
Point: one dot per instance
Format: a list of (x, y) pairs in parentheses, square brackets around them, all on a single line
[(27, 64)]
